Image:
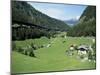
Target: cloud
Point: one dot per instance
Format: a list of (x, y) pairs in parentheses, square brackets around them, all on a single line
[(73, 18), (77, 17)]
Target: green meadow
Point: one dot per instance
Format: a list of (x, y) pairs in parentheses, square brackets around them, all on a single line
[(53, 58), (62, 39)]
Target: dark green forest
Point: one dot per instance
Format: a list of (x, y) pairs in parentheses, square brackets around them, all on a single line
[(86, 25), (24, 12)]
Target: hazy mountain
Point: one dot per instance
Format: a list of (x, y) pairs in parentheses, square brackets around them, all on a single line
[(71, 22)]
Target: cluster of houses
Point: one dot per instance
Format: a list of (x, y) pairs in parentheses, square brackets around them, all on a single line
[(83, 51)]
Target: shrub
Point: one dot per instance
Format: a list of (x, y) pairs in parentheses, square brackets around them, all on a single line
[(82, 56), (90, 56), (20, 49), (31, 54), (13, 45), (33, 46), (26, 52)]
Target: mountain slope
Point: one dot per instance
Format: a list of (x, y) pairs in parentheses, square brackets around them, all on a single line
[(24, 12), (89, 12), (86, 25)]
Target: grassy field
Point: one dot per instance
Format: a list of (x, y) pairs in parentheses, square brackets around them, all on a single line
[(53, 58)]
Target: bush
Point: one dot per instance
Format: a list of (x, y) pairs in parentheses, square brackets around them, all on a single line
[(82, 56), (31, 53), (13, 45), (33, 46), (21, 50), (26, 52), (89, 55)]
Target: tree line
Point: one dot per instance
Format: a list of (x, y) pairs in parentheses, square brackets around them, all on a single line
[(22, 33)]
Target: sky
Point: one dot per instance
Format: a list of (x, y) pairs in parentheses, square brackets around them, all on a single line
[(60, 11)]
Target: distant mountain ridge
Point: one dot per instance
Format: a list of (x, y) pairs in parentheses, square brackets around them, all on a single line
[(24, 12), (71, 22)]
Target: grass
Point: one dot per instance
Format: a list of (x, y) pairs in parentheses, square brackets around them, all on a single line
[(39, 42), (53, 58)]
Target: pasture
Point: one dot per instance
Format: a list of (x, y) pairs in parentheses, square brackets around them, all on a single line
[(53, 58)]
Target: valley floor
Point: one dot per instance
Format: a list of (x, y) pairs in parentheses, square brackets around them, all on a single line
[(53, 58)]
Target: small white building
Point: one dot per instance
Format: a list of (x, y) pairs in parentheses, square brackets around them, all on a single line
[(82, 50)]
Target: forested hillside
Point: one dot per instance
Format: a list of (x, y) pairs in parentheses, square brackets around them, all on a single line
[(89, 12), (86, 25), (24, 12)]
